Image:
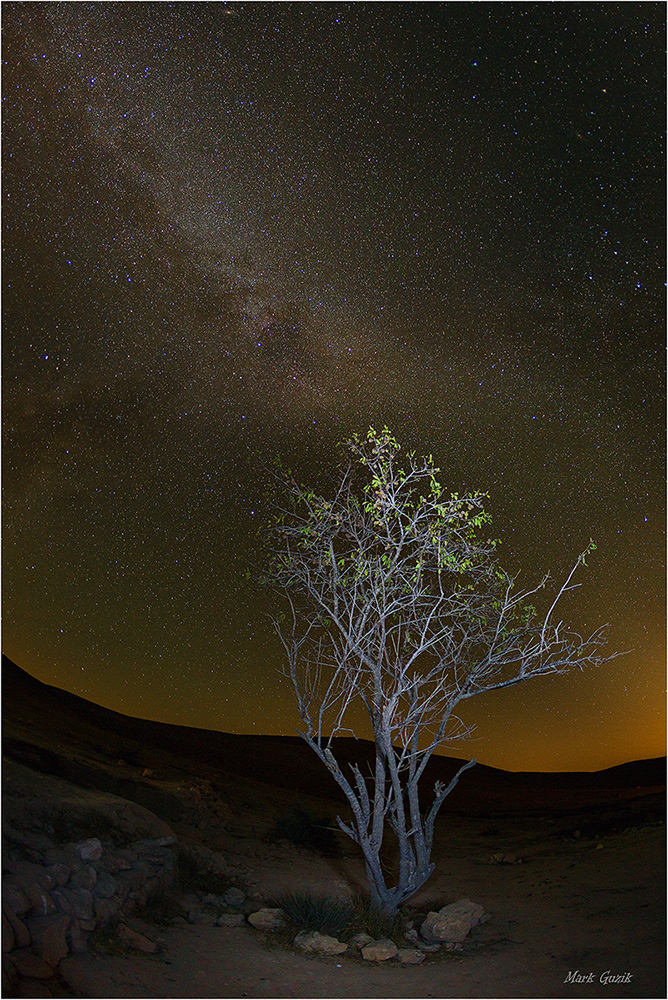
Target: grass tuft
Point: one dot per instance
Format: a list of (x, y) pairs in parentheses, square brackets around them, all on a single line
[(306, 911)]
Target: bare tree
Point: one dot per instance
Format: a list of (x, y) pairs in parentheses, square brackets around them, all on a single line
[(395, 604)]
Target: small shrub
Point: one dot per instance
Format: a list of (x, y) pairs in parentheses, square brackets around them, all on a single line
[(367, 917), (306, 830), (309, 912)]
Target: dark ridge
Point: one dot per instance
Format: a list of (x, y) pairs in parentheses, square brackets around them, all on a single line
[(65, 735)]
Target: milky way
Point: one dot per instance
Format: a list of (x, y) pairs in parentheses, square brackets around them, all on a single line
[(236, 230)]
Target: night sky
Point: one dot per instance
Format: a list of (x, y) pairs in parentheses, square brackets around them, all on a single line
[(239, 230)]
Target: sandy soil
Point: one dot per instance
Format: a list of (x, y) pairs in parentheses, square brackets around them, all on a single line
[(587, 899), (568, 907)]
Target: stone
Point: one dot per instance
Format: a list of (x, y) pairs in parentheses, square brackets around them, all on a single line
[(105, 886), (15, 897), (49, 937), (234, 896), (7, 935), (429, 949), (19, 929), (31, 965), (27, 872), (40, 900), (76, 939), (105, 909), (410, 956), (360, 940), (412, 935), (81, 901), (89, 850), (10, 976), (60, 874), (313, 942), (269, 918), (454, 946), (379, 951), (451, 923), (133, 939), (85, 877), (215, 900), (230, 920)]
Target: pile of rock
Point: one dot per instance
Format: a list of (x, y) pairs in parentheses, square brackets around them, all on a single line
[(447, 927), (54, 901)]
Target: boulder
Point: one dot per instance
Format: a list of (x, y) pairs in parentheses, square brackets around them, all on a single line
[(89, 850), (410, 956), (19, 929), (360, 940), (313, 942), (60, 874), (234, 896), (7, 935), (451, 923), (267, 919), (379, 951), (31, 965), (105, 886), (85, 877), (49, 937)]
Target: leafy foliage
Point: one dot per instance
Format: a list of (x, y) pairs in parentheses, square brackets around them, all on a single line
[(395, 603)]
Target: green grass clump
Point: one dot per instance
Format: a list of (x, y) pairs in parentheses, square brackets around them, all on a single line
[(306, 911), (370, 919)]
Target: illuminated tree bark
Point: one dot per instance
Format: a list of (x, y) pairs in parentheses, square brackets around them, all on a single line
[(395, 603)]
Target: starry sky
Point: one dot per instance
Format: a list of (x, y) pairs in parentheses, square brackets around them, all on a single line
[(232, 231)]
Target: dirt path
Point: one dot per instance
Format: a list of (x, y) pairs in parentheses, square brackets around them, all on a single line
[(568, 908)]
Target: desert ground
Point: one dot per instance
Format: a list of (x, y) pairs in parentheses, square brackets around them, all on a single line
[(570, 868)]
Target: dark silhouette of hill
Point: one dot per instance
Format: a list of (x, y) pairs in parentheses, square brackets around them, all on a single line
[(60, 733)]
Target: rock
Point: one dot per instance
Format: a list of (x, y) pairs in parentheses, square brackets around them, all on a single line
[(451, 923), (429, 949), (379, 951), (147, 773), (89, 850), (10, 976), (454, 946), (105, 886), (60, 874), (49, 937), (267, 919), (81, 901), (15, 897), (230, 920), (7, 935), (234, 896), (214, 899), (313, 942), (410, 956), (412, 935), (19, 929), (360, 940), (85, 877), (31, 965), (105, 909), (133, 939)]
